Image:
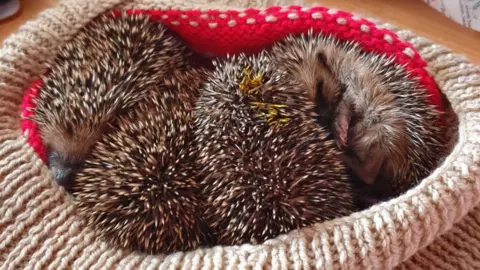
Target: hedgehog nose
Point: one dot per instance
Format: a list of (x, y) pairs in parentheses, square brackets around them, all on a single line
[(63, 171), (63, 176)]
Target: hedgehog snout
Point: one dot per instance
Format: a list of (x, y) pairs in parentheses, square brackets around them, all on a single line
[(63, 168)]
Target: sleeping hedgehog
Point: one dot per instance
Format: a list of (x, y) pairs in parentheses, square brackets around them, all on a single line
[(266, 167), (382, 121), (103, 71)]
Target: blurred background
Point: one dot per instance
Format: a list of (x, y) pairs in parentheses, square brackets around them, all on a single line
[(411, 14)]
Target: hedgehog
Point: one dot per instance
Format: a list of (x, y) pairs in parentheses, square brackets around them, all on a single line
[(138, 186), (103, 71), (266, 167), (379, 116)]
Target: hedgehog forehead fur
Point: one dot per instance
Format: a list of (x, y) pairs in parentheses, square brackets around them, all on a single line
[(306, 49), (312, 61)]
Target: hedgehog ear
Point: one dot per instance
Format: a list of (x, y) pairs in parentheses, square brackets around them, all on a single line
[(342, 124)]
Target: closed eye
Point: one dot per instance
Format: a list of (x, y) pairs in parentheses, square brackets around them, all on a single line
[(319, 99)]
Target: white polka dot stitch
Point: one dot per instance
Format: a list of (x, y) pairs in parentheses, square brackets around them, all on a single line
[(364, 28), (409, 52), (270, 18), (212, 25), (317, 15), (388, 38), (293, 16), (341, 21)]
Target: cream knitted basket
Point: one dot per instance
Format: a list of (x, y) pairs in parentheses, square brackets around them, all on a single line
[(435, 225)]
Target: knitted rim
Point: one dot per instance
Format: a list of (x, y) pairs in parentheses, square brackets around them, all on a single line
[(220, 33), (39, 228)]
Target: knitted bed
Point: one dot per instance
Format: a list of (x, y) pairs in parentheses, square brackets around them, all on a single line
[(435, 225)]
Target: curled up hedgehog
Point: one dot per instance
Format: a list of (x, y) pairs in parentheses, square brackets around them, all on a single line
[(104, 70), (138, 188), (266, 167), (379, 116)]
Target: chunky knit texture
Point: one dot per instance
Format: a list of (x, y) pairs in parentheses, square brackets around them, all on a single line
[(434, 225)]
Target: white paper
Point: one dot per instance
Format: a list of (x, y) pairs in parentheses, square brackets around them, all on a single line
[(464, 12)]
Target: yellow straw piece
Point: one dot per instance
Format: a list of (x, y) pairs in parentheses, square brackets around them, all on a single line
[(250, 85)]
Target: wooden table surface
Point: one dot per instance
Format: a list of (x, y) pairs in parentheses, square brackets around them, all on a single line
[(411, 14)]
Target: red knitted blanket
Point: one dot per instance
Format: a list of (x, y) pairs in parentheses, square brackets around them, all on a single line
[(227, 32)]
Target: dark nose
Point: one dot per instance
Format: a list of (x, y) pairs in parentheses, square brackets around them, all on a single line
[(63, 170), (63, 176)]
